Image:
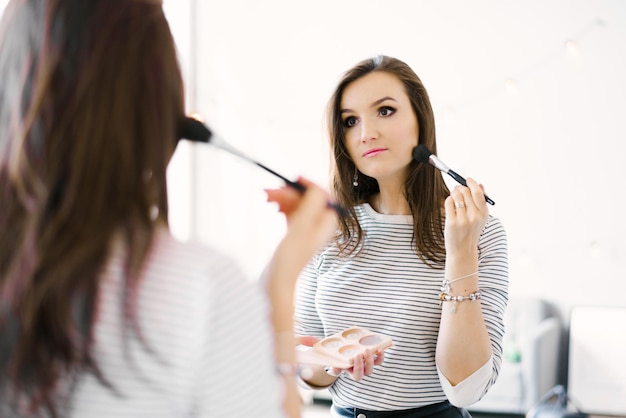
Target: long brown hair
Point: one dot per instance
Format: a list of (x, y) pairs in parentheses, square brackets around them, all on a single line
[(424, 190), (91, 96)]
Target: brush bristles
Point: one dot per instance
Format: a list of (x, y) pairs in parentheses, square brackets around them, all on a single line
[(421, 153), (194, 130)]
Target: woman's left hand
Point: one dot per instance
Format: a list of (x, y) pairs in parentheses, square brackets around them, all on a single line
[(466, 216), (363, 365)]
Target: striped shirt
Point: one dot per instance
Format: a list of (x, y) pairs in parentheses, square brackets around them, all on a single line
[(389, 290), (209, 348)]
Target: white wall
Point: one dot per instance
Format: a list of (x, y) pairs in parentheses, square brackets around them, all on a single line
[(541, 127)]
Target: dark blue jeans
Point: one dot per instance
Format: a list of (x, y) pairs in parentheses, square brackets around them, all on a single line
[(438, 410)]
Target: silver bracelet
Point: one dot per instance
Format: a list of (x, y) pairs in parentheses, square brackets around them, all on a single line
[(445, 286), (444, 297)]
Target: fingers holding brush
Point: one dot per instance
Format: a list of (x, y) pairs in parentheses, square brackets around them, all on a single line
[(466, 216), (287, 198)]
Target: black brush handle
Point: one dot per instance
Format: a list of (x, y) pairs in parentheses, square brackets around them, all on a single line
[(341, 211), (461, 180), (195, 130)]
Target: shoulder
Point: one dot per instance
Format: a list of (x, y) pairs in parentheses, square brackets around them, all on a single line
[(193, 272), (189, 256)]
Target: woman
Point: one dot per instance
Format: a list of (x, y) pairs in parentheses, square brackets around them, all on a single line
[(102, 312), (414, 261)]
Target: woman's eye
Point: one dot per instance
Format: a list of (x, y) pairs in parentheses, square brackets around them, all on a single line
[(349, 122), (386, 111)]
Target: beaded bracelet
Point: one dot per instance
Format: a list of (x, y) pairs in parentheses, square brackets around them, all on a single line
[(444, 297)]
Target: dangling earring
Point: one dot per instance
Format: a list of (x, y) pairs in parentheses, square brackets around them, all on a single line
[(355, 179)]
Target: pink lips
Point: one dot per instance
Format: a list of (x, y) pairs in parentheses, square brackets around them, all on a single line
[(374, 151)]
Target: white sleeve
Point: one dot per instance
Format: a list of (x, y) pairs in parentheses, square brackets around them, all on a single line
[(471, 389)]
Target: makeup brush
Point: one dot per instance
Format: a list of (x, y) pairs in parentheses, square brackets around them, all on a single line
[(422, 154), (195, 130)]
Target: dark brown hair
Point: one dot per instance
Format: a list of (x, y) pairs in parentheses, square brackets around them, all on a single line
[(424, 190), (90, 99)]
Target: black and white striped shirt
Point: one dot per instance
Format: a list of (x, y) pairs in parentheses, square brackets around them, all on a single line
[(208, 328), (388, 289)]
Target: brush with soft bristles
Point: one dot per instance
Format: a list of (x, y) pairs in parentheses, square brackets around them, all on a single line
[(422, 154), (195, 130)]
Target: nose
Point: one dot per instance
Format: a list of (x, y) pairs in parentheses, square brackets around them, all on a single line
[(368, 130)]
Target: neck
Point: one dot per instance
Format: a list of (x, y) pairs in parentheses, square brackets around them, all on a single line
[(390, 203)]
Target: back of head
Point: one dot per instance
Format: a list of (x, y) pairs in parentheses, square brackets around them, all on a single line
[(90, 99), (93, 97)]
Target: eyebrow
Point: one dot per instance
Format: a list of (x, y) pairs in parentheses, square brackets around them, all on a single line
[(376, 103)]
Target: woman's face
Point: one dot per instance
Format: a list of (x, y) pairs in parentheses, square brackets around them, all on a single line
[(381, 127)]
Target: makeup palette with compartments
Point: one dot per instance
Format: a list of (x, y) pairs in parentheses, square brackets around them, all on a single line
[(338, 350)]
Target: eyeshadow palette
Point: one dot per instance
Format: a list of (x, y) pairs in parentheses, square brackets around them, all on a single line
[(339, 349)]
